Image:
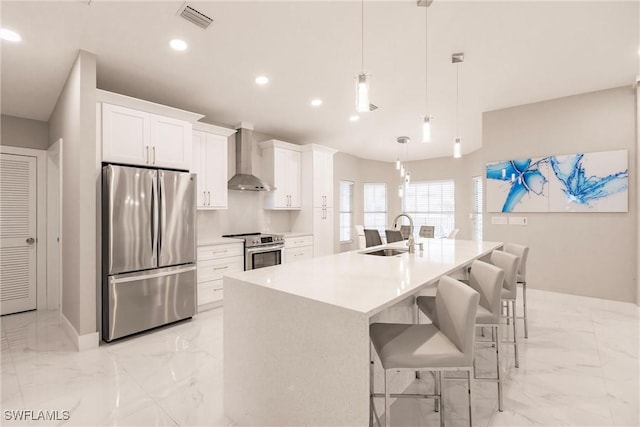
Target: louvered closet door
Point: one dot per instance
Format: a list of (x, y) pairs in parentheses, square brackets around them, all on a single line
[(17, 233)]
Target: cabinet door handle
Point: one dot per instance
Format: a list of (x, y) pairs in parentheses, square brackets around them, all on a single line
[(209, 198), (153, 149), (219, 252), (147, 147), (220, 268), (204, 198)]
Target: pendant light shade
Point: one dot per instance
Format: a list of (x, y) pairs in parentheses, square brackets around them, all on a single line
[(457, 149), (407, 178), (426, 129), (398, 164), (362, 93), (403, 171), (400, 191)]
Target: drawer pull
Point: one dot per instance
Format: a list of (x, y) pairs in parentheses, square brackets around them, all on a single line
[(220, 268), (220, 252)]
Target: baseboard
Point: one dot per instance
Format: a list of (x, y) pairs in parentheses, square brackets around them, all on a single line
[(81, 342)]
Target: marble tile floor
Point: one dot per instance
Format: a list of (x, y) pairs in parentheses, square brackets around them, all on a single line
[(579, 367)]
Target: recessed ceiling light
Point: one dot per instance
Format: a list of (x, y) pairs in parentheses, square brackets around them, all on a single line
[(316, 102), (354, 118), (178, 44), (262, 80), (10, 36)]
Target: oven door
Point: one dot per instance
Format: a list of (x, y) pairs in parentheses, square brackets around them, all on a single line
[(263, 257)]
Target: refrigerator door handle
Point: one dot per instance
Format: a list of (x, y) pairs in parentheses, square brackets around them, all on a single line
[(160, 210), (154, 218), (135, 278)]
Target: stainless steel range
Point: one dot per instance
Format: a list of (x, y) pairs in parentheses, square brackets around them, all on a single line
[(261, 250)]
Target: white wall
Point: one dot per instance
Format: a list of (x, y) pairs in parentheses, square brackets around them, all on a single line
[(25, 133), (591, 254), (74, 120)]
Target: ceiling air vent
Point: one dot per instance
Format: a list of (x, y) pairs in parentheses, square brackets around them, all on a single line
[(195, 17)]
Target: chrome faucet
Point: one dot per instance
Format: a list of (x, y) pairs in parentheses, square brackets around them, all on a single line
[(410, 243)]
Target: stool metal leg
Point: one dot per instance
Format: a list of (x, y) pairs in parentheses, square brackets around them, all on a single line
[(387, 400), (371, 388), (436, 391), (515, 334), (441, 399), (469, 376), (495, 333), (524, 309)]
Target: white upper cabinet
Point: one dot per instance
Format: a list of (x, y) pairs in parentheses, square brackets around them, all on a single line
[(210, 164), (138, 132), (281, 167), (170, 142), (125, 135)]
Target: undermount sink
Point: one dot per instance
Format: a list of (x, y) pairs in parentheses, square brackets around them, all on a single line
[(386, 252)]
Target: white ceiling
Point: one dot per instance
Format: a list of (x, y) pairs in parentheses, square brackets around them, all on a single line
[(516, 52)]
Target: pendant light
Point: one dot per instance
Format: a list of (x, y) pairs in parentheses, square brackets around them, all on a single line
[(457, 58), (404, 172), (426, 120), (362, 81)]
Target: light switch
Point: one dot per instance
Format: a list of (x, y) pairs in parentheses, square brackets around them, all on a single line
[(517, 220)]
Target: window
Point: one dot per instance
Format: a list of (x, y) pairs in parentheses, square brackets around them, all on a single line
[(375, 207), (477, 208), (346, 210), (431, 203)]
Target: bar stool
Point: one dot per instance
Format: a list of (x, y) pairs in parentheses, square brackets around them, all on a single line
[(405, 230), (509, 263), (487, 280), (444, 345), (522, 252), (372, 238), (393, 236), (427, 231)]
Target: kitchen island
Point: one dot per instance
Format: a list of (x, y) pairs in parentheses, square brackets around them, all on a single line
[(296, 336)]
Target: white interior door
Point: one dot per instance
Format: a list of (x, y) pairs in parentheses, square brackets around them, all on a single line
[(17, 233)]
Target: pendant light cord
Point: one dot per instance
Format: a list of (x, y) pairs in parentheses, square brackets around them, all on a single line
[(458, 100), (426, 59), (362, 34)]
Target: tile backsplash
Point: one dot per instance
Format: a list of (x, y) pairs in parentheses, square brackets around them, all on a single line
[(244, 215)]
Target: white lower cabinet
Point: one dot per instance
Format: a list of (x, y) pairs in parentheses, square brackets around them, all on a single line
[(214, 261), (298, 248)]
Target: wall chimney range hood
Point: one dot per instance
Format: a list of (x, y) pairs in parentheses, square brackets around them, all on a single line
[(244, 179)]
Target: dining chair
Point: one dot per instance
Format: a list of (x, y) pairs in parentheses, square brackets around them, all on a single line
[(444, 345), (487, 280), (522, 252), (427, 231), (393, 236), (509, 264), (372, 238)]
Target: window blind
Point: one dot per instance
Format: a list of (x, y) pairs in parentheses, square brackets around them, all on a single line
[(346, 210), (431, 203), (375, 206)]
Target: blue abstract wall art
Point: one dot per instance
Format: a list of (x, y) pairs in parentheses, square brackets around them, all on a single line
[(582, 182)]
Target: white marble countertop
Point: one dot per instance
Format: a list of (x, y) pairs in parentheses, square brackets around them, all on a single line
[(364, 283), (219, 241)]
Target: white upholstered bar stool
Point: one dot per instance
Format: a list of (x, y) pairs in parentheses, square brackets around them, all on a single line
[(509, 264), (522, 252), (444, 345), (487, 280)]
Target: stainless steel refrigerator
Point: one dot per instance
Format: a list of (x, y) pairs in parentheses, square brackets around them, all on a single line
[(148, 249)]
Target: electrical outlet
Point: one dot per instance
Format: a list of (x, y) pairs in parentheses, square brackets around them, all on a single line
[(517, 220), (499, 220)]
